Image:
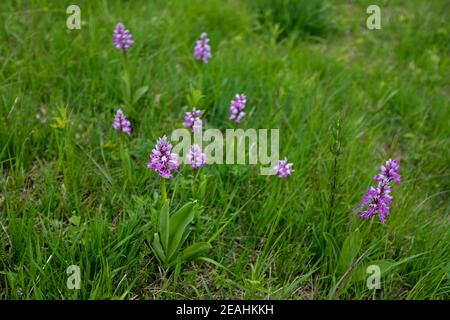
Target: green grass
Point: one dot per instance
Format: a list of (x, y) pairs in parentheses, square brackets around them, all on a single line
[(299, 238)]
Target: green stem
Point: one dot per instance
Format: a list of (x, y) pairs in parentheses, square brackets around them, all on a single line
[(197, 172), (127, 80), (163, 190), (194, 183), (126, 59)]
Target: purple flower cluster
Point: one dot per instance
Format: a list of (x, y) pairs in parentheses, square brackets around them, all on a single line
[(163, 161), (192, 120), (377, 201), (389, 172), (121, 122), (196, 157), (122, 38), (237, 107), (202, 50), (284, 169)]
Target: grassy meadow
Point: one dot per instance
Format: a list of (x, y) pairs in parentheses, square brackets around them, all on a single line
[(73, 191)]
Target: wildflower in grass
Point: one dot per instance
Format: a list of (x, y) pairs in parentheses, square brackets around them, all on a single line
[(202, 50), (377, 201), (237, 107), (163, 161), (196, 157), (389, 172), (284, 169), (122, 38), (192, 120), (121, 122)]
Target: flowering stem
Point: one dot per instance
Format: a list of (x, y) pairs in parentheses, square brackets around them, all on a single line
[(197, 172), (163, 190), (127, 79), (125, 158), (194, 182), (126, 59)]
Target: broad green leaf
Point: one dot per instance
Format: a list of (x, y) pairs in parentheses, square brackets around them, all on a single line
[(156, 245), (386, 266), (360, 274), (349, 250), (61, 120), (164, 225), (178, 223), (139, 93), (178, 218), (202, 189), (75, 220), (195, 249), (194, 98), (127, 88), (185, 235)]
